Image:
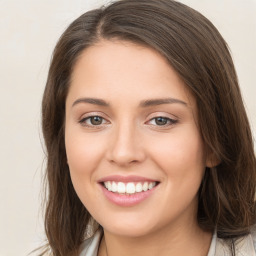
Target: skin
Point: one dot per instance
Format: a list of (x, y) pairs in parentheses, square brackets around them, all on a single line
[(129, 141)]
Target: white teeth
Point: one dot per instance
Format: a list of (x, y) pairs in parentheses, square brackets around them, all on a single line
[(145, 186), (138, 187), (128, 188), (114, 187), (108, 185), (150, 185), (121, 188)]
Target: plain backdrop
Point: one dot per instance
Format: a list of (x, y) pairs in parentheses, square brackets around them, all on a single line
[(29, 30)]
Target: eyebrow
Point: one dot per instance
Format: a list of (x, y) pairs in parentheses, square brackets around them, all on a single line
[(143, 104), (93, 101), (155, 102)]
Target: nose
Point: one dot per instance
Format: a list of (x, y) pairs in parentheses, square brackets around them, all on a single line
[(126, 146)]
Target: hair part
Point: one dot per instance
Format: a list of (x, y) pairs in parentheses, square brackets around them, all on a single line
[(200, 56)]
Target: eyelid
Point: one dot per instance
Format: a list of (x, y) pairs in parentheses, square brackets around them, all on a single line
[(89, 115), (172, 120), (162, 114)]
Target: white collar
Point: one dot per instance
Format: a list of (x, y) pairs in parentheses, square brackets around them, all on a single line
[(219, 247)]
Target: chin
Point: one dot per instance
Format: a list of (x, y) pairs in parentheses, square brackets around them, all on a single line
[(128, 231), (130, 228)]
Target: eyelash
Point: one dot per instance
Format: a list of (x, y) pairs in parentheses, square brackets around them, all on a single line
[(169, 121), (83, 121)]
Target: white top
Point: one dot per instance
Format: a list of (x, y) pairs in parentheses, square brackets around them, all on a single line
[(244, 247)]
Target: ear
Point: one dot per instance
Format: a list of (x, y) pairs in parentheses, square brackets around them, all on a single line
[(212, 160)]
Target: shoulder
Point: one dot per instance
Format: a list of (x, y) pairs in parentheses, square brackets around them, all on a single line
[(90, 246), (245, 246), (253, 234)]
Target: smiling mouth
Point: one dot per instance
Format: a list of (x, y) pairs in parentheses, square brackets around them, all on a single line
[(129, 188)]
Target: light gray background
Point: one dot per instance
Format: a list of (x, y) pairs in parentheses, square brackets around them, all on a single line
[(29, 30)]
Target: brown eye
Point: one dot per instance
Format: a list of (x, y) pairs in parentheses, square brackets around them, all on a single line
[(92, 121), (161, 120), (96, 120)]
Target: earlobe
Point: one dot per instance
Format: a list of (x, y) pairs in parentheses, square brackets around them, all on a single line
[(212, 160)]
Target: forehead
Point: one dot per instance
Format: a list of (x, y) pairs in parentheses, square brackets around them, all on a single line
[(125, 68)]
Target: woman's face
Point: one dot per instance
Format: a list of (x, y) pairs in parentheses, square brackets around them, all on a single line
[(131, 127)]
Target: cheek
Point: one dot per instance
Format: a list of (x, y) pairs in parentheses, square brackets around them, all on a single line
[(181, 156), (83, 152), (182, 162), (84, 155)]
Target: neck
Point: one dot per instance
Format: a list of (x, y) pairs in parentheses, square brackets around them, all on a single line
[(170, 241)]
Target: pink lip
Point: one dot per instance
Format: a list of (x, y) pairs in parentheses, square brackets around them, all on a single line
[(127, 200), (125, 179), (124, 199)]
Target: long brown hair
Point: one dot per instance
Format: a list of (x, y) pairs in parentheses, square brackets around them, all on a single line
[(199, 54)]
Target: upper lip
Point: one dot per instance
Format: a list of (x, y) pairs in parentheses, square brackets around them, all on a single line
[(130, 178)]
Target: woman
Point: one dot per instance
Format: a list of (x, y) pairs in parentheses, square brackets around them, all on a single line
[(148, 144)]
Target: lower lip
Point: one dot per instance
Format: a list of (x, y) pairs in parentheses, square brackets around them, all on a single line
[(127, 200)]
